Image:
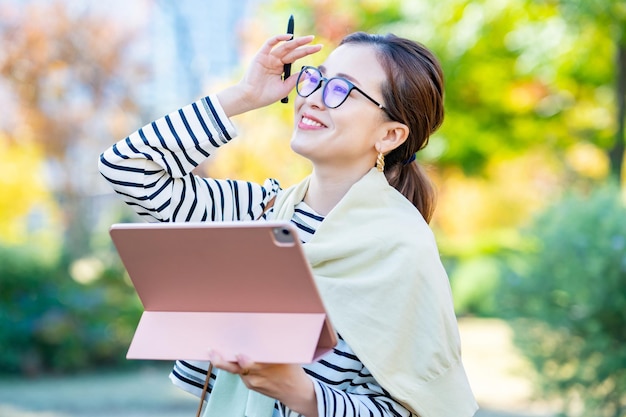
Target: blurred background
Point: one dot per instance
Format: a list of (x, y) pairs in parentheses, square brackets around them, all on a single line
[(528, 164)]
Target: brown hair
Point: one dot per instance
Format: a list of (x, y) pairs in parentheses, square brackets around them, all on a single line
[(413, 95)]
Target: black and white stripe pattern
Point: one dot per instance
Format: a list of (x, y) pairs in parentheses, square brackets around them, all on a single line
[(344, 387), (151, 171)]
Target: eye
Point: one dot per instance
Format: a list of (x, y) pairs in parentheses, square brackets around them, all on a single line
[(312, 78), (339, 87)]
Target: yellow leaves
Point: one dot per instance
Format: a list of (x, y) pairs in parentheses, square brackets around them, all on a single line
[(473, 208), (588, 160), (23, 189), (374, 6), (525, 96), (262, 149), (588, 115)]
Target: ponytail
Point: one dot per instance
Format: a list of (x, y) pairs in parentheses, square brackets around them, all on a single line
[(412, 181)]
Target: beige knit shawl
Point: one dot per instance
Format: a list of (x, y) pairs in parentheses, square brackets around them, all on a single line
[(378, 270)]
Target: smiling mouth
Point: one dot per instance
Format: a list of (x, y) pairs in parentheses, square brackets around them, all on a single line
[(310, 122)]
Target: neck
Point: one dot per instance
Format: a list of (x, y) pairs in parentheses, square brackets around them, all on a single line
[(326, 189)]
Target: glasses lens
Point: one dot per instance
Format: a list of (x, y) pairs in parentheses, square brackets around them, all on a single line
[(308, 81), (336, 91)]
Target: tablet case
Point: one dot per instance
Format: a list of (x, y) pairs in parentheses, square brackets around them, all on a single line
[(237, 287)]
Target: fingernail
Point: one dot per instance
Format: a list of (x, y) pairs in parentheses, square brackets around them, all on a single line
[(243, 358)]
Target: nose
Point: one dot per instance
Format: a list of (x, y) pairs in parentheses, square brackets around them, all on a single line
[(316, 98)]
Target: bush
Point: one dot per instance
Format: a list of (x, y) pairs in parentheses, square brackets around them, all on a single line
[(51, 323), (473, 283), (566, 296)]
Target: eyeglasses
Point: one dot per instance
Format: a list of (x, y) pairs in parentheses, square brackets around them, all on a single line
[(335, 91)]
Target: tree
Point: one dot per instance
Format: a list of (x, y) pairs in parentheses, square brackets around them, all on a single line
[(564, 291), (608, 16), (528, 109), (23, 190), (70, 81)]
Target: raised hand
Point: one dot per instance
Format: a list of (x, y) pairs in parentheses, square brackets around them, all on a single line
[(262, 83)]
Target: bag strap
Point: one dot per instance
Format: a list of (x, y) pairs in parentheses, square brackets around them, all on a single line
[(269, 205), (204, 389)]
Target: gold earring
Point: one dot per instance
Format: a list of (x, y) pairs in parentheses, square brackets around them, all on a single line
[(380, 162)]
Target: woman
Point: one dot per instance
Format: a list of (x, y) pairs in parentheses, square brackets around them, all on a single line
[(359, 118)]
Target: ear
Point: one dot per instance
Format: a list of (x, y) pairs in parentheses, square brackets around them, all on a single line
[(394, 135)]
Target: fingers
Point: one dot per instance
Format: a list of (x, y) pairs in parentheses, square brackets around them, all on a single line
[(300, 53), (293, 43), (263, 84), (297, 48), (290, 50), (219, 363), (273, 41), (243, 366)]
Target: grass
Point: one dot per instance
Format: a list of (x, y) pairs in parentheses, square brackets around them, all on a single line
[(143, 393), (489, 358)]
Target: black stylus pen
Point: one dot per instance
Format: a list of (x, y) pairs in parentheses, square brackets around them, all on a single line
[(287, 67)]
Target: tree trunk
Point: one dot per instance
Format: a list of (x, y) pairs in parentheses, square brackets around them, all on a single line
[(616, 153)]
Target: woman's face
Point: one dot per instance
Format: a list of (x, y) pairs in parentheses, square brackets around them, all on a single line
[(343, 137)]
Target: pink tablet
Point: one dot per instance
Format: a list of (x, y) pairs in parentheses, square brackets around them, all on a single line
[(236, 287)]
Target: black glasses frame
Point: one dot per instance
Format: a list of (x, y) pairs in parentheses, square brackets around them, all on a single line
[(324, 80)]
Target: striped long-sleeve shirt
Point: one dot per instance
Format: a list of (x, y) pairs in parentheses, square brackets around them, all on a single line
[(151, 170)]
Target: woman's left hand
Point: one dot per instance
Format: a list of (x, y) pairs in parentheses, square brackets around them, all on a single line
[(287, 383)]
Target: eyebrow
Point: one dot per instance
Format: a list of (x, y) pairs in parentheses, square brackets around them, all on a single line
[(341, 74)]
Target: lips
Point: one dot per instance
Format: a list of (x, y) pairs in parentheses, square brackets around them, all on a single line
[(310, 122)]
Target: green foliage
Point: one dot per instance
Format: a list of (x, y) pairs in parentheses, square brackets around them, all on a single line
[(520, 77), (332, 20), (566, 294), (473, 283), (50, 322), (608, 14)]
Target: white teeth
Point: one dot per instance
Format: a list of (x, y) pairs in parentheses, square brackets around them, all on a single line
[(310, 122)]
